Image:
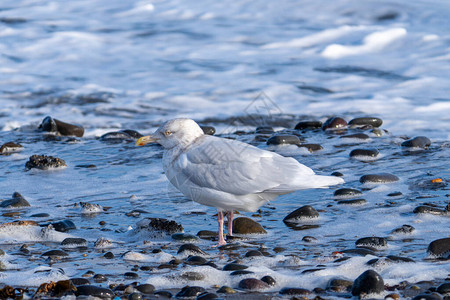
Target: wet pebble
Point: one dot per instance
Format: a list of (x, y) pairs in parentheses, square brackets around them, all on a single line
[(253, 253), (160, 226), (359, 201), (164, 294), (309, 239), (432, 296), (226, 290), (192, 276), (358, 136), (283, 140), (146, 288), (63, 226), (440, 248), (245, 225), (367, 283), (10, 147), (94, 291), (253, 284), (364, 153), (130, 275), (339, 285), (77, 242), (364, 121), (40, 215), (294, 291), (444, 289), (241, 272), (79, 281), (191, 249), (404, 229), (379, 178), (44, 162), (122, 135), (135, 296), (308, 125), (311, 147), (334, 123), (417, 142), (207, 234), (234, 267), (184, 237), (209, 130), (17, 201), (196, 260), (100, 278), (371, 241), (304, 212), (359, 251), (55, 253), (190, 292), (264, 130), (109, 255), (347, 193), (56, 126), (269, 280), (425, 209), (207, 296), (337, 174)]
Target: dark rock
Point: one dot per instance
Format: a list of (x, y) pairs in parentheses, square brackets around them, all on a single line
[(165, 294), (63, 226), (358, 136), (87, 166), (55, 253), (334, 123), (192, 249), (399, 259), (40, 215), (207, 296), (388, 16), (44, 162), (444, 289), (190, 291), (209, 130), (10, 147), (100, 278), (367, 283), (358, 122), (94, 291), (245, 225), (269, 280), (184, 237), (425, 209), (192, 276), (109, 255), (264, 130), (339, 285), (234, 267), (160, 226), (207, 234), (440, 248), (379, 178), (122, 135), (78, 242), (337, 174), (427, 297), (17, 201), (79, 281), (364, 152), (417, 142), (253, 253), (347, 193), (359, 251), (135, 296), (253, 284), (146, 288), (294, 291), (404, 229), (395, 194), (308, 125), (53, 125), (311, 147), (241, 272), (196, 260), (304, 212), (309, 239), (283, 140), (359, 201), (226, 290), (131, 275), (372, 241)]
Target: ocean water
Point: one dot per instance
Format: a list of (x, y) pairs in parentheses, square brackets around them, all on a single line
[(113, 65)]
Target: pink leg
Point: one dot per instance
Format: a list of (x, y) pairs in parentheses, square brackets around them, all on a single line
[(220, 220), (230, 222)]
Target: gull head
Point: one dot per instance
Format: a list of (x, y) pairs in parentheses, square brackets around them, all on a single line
[(176, 132)]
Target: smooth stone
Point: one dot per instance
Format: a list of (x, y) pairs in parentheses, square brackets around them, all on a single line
[(269, 280), (207, 234), (135, 296), (395, 194), (40, 215), (311, 147), (304, 212), (160, 225), (334, 123), (379, 178), (130, 275), (425, 209), (337, 174), (294, 291), (308, 125), (64, 225), (357, 122), (245, 225), (264, 130), (359, 251), (371, 241), (347, 193), (109, 255), (94, 291), (184, 237), (352, 202), (190, 291), (233, 267), (44, 162), (253, 253), (100, 278), (399, 259), (364, 152), (17, 201), (283, 140), (367, 283), (79, 281), (241, 272), (164, 294), (339, 285), (191, 248), (122, 135), (192, 276), (209, 130), (55, 253), (53, 125), (444, 288), (404, 229), (146, 288), (309, 239), (428, 297), (440, 248), (359, 136), (196, 260), (417, 142), (252, 284), (79, 242), (207, 296), (10, 147), (226, 290)]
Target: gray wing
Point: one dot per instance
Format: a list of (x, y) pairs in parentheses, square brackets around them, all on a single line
[(238, 168)]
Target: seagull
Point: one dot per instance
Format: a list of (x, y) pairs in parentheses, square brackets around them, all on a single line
[(227, 174)]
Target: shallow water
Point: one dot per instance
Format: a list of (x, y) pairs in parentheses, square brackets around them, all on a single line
[(235, 65)]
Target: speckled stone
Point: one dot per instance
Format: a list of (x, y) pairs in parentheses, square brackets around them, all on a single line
[(379, 178), (371, 241), (190, 292)]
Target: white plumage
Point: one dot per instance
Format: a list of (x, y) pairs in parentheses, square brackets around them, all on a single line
[(228, 174)]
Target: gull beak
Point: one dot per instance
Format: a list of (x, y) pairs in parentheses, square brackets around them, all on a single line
[(146, 139)]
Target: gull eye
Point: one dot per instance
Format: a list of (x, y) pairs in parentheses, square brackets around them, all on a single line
[(167, 132)]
